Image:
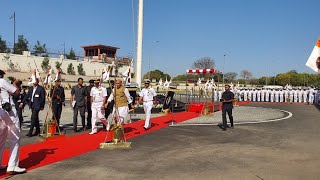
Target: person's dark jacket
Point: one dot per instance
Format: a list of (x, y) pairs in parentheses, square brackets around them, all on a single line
[(39, 98)]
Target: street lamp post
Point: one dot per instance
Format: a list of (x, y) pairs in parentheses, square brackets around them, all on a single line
[(14, 31), (224, 62), (64, 50)]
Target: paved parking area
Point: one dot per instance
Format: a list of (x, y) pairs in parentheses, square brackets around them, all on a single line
[(287, 149)]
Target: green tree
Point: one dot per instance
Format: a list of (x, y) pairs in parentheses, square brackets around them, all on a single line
[(204, 63), (80, 70), (21, 45), (254, 81), (71, 55), (70, 69), (3, 46), (230, 77), (45, 64), (157, 74), (58, 64), (283, 79), (186, 77), (40, 48)]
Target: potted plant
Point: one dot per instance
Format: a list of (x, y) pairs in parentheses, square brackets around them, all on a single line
[(117, 133), (52, 125)]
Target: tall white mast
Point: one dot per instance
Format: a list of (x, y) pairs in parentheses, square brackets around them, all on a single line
[(139, 43)]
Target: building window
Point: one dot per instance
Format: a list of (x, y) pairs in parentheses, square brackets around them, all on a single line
[(111, 53)]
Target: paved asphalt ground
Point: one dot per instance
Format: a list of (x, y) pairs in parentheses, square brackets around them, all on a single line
[(287, 149)]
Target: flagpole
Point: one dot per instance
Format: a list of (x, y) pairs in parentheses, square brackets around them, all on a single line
[(14, 31), (139, 43)]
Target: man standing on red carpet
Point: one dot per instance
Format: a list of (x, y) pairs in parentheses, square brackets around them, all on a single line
[(98, 100), (9, 125), (147, 95), (122, 98)]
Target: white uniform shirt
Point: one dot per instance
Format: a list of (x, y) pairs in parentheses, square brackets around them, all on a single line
[(147, 94), (6, 90), (98, 94), (34, 91), (290, 93)]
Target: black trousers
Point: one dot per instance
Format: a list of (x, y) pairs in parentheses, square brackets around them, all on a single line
[(19, 112), (35, 121), (77, 109), (225, 110), (89, 115), (57, 110)]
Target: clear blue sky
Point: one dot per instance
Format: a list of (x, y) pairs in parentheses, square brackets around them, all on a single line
[(264, 37)]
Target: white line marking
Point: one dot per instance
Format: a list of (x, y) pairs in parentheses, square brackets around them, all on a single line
[(249, 122)]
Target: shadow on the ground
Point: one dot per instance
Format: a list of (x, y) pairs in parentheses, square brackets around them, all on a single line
[(34, 158), (317, 106)]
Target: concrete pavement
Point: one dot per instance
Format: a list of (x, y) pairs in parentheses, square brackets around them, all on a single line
[(287, 149)]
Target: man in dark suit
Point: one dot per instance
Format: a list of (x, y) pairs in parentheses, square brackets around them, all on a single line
[(37, 98), (58, 97), (78, 100), (227, 106), (18, 99), (89, 111)]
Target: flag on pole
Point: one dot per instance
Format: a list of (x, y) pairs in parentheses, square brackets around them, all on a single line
[(127, 76), (314, 59), (58, 75), (105, 74), (160, 83), (48, 78), (35, 74), (166, 84)]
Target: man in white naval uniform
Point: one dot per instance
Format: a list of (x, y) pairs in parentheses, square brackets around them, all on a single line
[(9, 126), (267, 95), (290, 95), (311, 95), (263, 93), (250, 94), (215, 95), (300, 93), (121, 97), (98, 96), (259, 95), (286, 95), (239, 94), (305, 95), (295, 95), (254, 95), (276, 95), (147, 95), (272, 95), (281, 95), (245, 95), (220, 94)]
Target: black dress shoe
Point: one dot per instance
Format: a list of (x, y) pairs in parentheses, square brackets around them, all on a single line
[(35, 134), (29, 135)]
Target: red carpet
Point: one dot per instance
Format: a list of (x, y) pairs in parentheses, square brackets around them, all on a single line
[(43, 153)]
